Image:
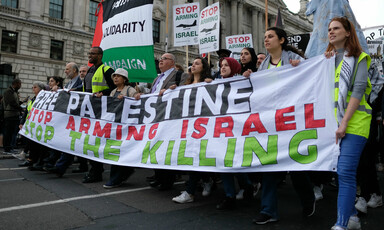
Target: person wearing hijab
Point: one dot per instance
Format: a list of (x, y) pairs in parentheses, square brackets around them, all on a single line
[(248, 60), (229, 67)]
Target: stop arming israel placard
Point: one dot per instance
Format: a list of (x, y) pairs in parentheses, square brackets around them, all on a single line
[(277, 120), (236, 43), (186, 24), (209, 29), (126, 37)]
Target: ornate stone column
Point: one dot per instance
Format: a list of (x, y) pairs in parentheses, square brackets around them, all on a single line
[(23, 7), (240, 17), (271, 19), (35, 10), (255, 29), (261, 31), (68, 12), (202, 4), (46, 10), (303, 7), (86, 14), (78, 15), (233, 17)]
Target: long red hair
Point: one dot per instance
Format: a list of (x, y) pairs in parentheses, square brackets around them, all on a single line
[(352, 45)]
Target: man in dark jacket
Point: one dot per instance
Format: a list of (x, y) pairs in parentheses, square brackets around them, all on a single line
[(12, 111)]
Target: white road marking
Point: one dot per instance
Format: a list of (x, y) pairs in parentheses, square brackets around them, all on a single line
[(19, 207), (12, 179), (69, 199), (7, 169)]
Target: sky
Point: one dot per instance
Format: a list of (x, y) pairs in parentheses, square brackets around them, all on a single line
[(368, 13)]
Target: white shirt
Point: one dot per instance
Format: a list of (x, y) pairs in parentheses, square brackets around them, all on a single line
[(160, 84)]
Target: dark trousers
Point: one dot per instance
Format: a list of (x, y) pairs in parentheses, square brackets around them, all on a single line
[(11, 127), (320, 177), (194, 178), (37, 152), (83, 163), (366, 171), (66, 160), (301, 183), (165, 177), (229, 182), (96, 169), (120, 173)]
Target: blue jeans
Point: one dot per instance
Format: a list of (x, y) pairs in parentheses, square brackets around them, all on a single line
[(351, 147), (64, 162)]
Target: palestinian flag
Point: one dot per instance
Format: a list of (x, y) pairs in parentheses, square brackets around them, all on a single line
[(124, 32)]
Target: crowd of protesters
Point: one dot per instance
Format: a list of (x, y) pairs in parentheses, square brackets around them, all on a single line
[(357, 129)]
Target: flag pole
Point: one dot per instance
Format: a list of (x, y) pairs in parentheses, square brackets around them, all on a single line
[(209, 59), (266, 15), (186, 56), (166, 28)]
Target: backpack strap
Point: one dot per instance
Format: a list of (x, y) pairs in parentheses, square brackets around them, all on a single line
[(127, 93)]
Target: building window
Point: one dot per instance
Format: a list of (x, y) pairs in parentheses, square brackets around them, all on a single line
[(92, 16), (6, 77), (56, 9), (156, 30), (9, 41), (10, 3), (57, 48)]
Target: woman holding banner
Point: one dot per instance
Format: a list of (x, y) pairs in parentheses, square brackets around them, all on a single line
[(279, 54), (37, 152), (352, 86), (229, 68), (200, 70), (55, 83), (119, 173)]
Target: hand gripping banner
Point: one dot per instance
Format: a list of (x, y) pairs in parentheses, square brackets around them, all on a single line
[(276, 120)]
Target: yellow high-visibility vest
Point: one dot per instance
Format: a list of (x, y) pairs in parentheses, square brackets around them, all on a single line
[(360, 122)]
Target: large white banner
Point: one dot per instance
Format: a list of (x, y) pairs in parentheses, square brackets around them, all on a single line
[(276, 120), (236, 43), (209, 29), (186, 24)]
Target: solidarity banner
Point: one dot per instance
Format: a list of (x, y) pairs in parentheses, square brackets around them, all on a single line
[(209, 35), (186, 22), (279, 119), (236, 43), (124, 32)]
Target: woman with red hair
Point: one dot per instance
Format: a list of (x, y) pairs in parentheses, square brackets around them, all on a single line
[(352, 86)]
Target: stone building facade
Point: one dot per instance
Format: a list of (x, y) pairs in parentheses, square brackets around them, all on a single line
[(38, 37)]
